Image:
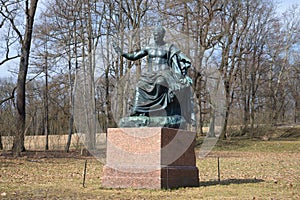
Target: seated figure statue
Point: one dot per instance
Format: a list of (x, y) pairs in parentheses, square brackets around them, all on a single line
[(164, 89)]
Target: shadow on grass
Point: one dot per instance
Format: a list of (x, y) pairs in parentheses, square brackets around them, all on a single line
[(229, 181)]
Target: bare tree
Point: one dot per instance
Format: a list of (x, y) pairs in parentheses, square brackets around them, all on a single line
[(251, 68), (63, 20), (42, 59), (281, 50), (236, 22), (7, 11)]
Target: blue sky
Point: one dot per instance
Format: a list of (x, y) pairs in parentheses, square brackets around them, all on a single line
[(4, 69), (285, 4)]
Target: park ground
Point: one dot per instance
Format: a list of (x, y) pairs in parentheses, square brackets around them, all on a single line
[(249, 169)]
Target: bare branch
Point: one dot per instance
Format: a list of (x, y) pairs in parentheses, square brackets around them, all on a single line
[(10, 97), (8, 59), (2, 23), (10, 19)]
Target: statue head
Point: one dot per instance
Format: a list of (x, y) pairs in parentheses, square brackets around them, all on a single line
[(158, 34), (159, 30)]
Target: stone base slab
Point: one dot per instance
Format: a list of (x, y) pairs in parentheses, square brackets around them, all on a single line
[(166, 177), (150, 157)]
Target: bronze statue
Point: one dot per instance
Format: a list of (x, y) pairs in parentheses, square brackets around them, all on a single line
[(164, 89)]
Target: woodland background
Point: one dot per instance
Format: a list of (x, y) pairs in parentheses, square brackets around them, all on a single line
[(253, 49)]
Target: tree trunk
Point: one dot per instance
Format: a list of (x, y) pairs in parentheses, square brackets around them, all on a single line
[(46, 104), (71, 101), (199, 121), (223, 135), (110, 119), (72, 87), (252, 108), (1, 145), (91, 84), (109, 113), (297, 112), (211, 130), (18, 143), (246, 116), (71, 124)]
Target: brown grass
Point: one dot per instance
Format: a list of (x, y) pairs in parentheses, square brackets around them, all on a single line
[(252, 174)]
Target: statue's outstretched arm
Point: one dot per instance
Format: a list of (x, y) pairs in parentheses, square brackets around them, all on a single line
[(136, 55), (130, 56)]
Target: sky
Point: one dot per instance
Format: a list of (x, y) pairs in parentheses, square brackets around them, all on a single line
[(285, 4), (13, 66)]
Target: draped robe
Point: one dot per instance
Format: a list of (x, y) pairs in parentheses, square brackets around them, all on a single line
[(164, 89)]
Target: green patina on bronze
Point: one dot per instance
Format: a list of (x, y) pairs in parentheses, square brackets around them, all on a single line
[(175, 121), (163, 91)]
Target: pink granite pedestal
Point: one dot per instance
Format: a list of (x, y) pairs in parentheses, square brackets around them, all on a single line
[(150, 157)]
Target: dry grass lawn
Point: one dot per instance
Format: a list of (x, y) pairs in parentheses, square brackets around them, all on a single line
[(249, 170)]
